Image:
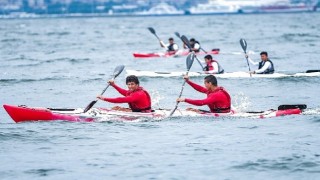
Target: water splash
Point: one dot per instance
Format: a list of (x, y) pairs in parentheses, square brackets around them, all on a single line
[(241, 102), (155, 98)]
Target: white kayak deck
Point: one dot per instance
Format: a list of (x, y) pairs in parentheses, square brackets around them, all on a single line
[(224, 75)]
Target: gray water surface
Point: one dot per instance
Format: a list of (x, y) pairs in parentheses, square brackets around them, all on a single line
[(66, 62)]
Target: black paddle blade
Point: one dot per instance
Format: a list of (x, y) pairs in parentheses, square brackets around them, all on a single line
[(292, 106), (152, 30), (118, 70), (189, 61), (185, 41), (243, 44), (177, 34), (312, 71), (90, 106)]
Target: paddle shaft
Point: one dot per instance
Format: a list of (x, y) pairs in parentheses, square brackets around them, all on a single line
[(177, 103), (243, 44), (203, 50), (199, 62), (95, 101)]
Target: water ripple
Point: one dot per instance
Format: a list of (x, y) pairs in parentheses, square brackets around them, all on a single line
[(292, 164)]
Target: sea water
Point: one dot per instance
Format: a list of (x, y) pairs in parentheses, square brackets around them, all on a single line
[(66, 62)]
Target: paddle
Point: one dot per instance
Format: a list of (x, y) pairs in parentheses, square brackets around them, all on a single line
[(155, 34), (185, 40), (292, 106), (189, 62), (178, 35), (243, 44), (312, 71), (116, 73)]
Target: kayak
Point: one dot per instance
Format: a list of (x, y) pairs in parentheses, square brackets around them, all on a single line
[(140, 73), (168, 54), (24, 113)]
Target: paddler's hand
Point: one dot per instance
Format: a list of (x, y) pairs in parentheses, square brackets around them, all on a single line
[(186, 77), (111, 82), (181, 99), (252, 72), (100, 97), (162, 44), (246, 55)]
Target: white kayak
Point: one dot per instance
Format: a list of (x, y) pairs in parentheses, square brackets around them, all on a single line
[(140, 73)]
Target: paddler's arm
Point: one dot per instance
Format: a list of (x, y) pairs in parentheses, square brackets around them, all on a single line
[(251, 61), (127, 99), (119, 89), (196, 102), (163, 45), (194, 85)]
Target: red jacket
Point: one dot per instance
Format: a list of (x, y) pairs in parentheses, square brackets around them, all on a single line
[(138, 100), (218, 100)]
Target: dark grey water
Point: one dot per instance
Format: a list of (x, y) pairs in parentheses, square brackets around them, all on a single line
[(66, 63)]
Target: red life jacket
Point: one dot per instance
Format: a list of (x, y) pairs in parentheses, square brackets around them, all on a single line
[(223, 107), (144, 103), (210, 67)]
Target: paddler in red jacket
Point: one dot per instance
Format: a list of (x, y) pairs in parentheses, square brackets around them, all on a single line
[(138, 99), (218, 99), (212, 66)]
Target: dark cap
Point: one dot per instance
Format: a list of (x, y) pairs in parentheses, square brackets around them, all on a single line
[(171, 39), (192, 39)]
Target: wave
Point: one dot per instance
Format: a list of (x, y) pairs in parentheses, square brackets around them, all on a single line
[(293, 163), (37, 62), (9, 81), (298, 36), (12, 40)]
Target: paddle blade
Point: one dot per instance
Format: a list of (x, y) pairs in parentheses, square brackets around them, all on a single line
[(292, 106), (152, 30), (90, 106), (189, 61), (118, 70), (243, 44), (186, 41), (177, 34), (312, 71)]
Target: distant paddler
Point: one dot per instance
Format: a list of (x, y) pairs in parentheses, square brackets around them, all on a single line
[(212, 66), (172, 47), (265, 66), (195, 45), (218, 99)]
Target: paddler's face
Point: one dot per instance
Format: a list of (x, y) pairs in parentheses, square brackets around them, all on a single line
[(207, 60), (264, 57), (207, 84), (132, 86)]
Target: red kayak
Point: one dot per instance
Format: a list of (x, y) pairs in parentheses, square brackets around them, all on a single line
[(25, 114), (168, 54)]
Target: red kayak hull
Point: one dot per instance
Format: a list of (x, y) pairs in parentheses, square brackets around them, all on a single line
[(25, 114), (184, 53)]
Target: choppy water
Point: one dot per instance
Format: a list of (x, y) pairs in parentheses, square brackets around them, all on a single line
[(66, 63)]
